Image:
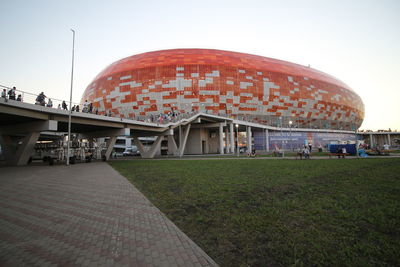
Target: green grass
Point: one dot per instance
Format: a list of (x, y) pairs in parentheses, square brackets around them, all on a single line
[(263, 212)]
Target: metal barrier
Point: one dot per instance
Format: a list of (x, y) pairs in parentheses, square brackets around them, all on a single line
[(30, 98)]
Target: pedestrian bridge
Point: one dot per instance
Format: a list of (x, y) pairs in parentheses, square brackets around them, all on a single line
[(21, 125)]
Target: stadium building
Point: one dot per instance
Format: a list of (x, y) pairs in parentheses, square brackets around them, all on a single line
[(283, 103)]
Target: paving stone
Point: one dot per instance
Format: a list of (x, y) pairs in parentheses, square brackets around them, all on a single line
[(85, 214)]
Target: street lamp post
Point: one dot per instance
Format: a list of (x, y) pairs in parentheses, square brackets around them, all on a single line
[(237, 139), (290, 129), (70, 96), (283, 144)]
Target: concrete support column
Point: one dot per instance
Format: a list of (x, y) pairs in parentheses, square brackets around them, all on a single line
[(248, 135), (172, 147), (182, 142), (26, 149), (389, 143), (266, 140), (232, 136), (227, 146), (153, 149), (371, 140), (18, 154), (221, 138), (110, 146)]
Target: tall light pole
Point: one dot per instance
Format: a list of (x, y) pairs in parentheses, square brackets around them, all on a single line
[(70, 96), (283, 144), (290, 129), (237, 139)]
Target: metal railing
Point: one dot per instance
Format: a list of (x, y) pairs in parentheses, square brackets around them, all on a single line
[(30, 98), (163, 118)]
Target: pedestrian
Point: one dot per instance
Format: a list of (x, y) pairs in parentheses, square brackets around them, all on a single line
[(90, 108), (306, 152), (49, 103), (319, 148), (40, 99), (11, 93), (73, 108), (85, 106), (4, 95), (59, 106), (64, 105), (19, 98), (77, 108)]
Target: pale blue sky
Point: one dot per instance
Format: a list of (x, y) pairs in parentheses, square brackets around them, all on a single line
[(355, 41)]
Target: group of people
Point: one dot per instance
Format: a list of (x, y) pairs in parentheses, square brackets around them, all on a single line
[(11, 94), (87, 107), (341, 152), (164, 118)]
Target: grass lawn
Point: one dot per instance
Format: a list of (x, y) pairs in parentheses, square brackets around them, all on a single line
[(261, 212)]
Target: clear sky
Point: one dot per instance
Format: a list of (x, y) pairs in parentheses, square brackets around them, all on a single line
[(356, 41)]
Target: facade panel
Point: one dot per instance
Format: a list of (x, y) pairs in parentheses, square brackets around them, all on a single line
[(237, 85)]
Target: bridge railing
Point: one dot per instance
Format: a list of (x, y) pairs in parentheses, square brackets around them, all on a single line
[(30, 98)]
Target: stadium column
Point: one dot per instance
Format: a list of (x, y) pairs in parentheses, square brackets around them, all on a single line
[(228, 147), (389, 143), (232, 138), (221, 138), (371, 141), (266, 140), (248, 135)]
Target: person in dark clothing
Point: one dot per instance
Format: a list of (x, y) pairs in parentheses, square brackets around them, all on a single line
[(11, 93), (90, 108), (64, 105), (19, 98), (77, 108), (40, 99), (73, 108)]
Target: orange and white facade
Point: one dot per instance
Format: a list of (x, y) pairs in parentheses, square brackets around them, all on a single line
[(237, 85)]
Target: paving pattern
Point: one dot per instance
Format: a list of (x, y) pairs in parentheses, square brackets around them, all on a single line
[(85, 215)]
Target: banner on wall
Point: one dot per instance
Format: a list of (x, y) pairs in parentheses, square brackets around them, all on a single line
[(296, 140)]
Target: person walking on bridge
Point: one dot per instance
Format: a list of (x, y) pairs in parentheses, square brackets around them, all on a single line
[(11, 93), (4, 95), (64, 105), (40, 99)]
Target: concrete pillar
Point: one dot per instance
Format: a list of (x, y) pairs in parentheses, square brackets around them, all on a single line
[(153, 149), (371, 141), (389, 143), (266, 140), (26, 149), (180, 136), (139, 145), (227, 146), (19, 154), (221, 138), (172, 147), (110, 146), (248, 135), (182, 145), (232, 136)]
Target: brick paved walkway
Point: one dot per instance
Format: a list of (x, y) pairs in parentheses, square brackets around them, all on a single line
[(86, 215)]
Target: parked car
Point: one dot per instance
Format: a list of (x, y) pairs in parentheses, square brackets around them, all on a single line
[(131, 151)]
